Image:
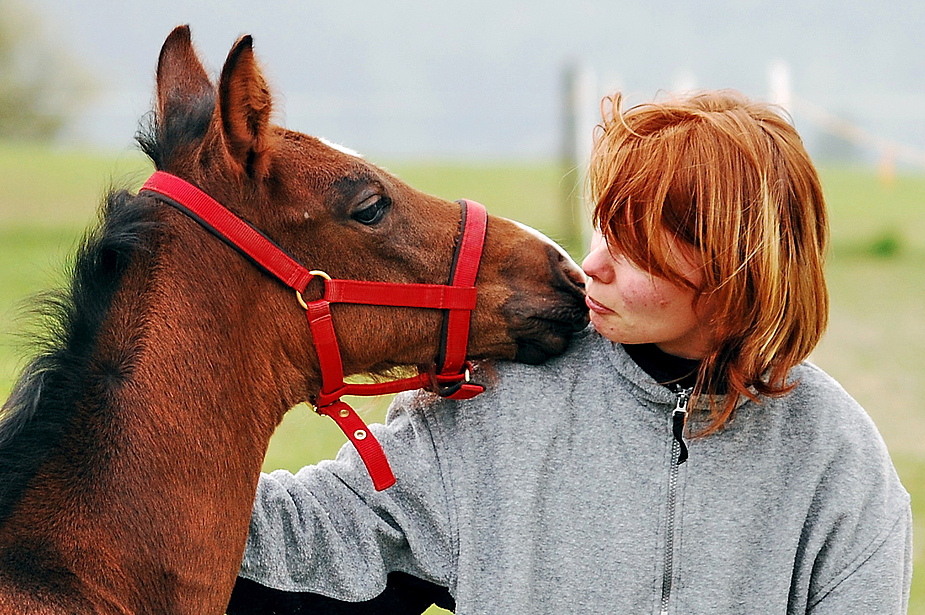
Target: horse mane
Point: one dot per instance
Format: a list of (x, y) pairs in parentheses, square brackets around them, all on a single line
[(38, 412), (164, 140), (40, 408)]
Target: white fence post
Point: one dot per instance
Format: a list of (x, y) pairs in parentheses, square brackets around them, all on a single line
[(580, 116), (780, 88)]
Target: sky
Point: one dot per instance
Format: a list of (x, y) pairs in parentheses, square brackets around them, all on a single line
[(483, 79)]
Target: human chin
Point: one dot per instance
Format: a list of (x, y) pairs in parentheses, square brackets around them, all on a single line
[(609, 326)]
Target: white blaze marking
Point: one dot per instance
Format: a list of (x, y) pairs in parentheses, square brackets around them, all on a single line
[(340, 148)]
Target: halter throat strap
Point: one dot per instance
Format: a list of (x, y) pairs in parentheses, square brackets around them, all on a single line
[(450, 378)]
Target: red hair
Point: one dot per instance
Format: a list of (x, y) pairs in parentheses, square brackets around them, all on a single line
[(730, 178)]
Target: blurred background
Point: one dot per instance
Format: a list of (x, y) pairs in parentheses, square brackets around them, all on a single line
[(497, 101), (482, 78)]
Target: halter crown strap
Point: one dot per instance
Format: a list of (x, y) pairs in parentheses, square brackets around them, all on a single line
[(458, 298), (230, 228)]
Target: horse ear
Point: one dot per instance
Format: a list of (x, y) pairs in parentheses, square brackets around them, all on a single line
[(245, 105), (182, 83)]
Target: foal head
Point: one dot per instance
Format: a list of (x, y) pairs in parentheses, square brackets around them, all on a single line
[(336, 212)]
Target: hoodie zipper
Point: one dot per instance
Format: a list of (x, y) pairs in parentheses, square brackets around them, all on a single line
[(679, 453)]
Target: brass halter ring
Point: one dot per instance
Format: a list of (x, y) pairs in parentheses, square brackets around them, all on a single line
[(298, 295)]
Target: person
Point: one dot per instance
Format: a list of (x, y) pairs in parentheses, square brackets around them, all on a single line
[(681, 457)]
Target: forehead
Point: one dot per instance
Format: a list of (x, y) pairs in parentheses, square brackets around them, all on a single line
[(317, 162)]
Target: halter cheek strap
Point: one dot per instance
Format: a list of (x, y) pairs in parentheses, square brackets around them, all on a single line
[(457, 298)]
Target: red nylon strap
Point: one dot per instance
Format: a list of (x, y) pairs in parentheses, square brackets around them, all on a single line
[(455, 382), (326, 347), (437, 296), (467, 269), (366, 444), (466, 390), (329, 401), (374, 388), (230, 227)]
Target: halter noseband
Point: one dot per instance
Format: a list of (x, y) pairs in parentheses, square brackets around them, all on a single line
[(450, 378)]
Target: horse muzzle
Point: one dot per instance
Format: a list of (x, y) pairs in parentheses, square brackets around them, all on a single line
[(542, 323)]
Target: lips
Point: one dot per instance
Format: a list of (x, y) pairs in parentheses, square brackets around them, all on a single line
[(596, 307)]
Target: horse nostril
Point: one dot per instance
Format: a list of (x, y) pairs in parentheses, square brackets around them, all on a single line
[(566, 271), (573, 279), (576, 277)]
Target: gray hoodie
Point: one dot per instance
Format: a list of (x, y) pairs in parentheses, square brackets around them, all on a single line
[(558, 491)]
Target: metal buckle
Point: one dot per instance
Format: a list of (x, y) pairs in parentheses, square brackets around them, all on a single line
[(314, 272)]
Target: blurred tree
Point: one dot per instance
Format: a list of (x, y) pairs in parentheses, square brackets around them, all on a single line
[(40, 86)]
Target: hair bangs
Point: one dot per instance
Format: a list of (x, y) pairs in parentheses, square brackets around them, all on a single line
[(633, 203)]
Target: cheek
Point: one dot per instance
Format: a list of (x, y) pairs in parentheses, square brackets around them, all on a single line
[(655, 296), (640, 292)]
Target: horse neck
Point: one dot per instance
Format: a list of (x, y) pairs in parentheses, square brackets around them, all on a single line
[(175, 428)]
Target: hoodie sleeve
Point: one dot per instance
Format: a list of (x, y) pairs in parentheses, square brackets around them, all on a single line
[(326, 530), (878, 582)]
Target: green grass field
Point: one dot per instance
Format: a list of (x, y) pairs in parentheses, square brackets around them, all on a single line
[(875, 344)]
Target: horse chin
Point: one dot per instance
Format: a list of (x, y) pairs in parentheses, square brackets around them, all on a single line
[(540, 338), (532, 353), (542, 322)]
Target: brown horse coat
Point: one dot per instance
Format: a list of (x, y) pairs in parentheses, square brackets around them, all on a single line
[(131, 446)]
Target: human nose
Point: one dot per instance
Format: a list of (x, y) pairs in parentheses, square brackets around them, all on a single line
[(596, 264)]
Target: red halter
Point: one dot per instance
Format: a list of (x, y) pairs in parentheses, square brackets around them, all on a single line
[(457, 297)]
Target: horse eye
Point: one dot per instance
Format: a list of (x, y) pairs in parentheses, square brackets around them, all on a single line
[(372, 210)]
